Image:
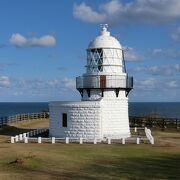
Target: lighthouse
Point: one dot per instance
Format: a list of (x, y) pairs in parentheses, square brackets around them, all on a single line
[(104, 87)]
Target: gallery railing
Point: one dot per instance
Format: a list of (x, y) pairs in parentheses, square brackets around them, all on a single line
[(104, 81)]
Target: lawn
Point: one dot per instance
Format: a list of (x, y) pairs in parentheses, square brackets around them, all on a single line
[(89, 161)]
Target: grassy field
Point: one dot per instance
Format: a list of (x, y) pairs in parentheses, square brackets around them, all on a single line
[(88, 161)]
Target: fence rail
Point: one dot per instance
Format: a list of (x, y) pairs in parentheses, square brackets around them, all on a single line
[(134, 121), (33, 137), (4, 121), (155, 122)]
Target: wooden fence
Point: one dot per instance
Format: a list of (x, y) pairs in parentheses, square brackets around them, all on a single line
[(155, 122), (134, 121), (4, 121)]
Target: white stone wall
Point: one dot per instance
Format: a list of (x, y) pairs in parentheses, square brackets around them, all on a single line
[(115, 117), (83, 119), (115, 121)]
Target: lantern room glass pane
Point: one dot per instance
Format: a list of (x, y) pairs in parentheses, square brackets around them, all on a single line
[(95, 60)]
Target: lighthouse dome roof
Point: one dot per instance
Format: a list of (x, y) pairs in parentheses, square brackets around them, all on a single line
[(104, 40)]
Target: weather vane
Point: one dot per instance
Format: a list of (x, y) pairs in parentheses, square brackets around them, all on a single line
[(104, 26)]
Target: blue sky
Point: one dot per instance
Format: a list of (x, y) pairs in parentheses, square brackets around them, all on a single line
[(43, 46)]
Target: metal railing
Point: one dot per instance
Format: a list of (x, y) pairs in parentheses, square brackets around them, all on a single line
[(108, 81)]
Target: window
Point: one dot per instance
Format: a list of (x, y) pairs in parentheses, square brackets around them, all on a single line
[(64, 120), (95, 60)]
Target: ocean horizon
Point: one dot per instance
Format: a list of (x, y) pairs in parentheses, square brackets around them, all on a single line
[(163, 109)]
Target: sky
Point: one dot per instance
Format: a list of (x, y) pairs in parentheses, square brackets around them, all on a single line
[(43, 46)]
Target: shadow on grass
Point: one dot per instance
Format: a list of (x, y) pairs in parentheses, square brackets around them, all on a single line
[(12, 130), (162, 167), (154, 167)]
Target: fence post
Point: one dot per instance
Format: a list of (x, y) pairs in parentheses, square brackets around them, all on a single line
[(20, 137), (39, 140), (12, 139), (138, 141), (152, 140), (16, 138), (67, 140), (26, 140), (163, 123), (80, 140), (53, 140), (24, 135), (135, 129), (145, 129), (123, 141), (176, 124)]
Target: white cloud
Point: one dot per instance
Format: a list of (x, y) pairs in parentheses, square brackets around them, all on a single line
[(150, 89), (112, 7), (85, 13), (152, 84), (170, 69), (38, 86), (69, 83), (137, 11), (4, 81), (157, 51), (130, 54), (175, 35), (162, 70), (172, 84), (148, 82), (168, 53), (66, 83), (20, 41)]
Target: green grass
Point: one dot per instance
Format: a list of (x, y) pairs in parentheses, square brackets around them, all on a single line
[(88, 161)]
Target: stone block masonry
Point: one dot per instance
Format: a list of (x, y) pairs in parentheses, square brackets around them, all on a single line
[(83, 119), (115, 120), (107, 118)]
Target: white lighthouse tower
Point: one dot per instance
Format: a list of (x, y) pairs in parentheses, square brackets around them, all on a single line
[(104, 87)]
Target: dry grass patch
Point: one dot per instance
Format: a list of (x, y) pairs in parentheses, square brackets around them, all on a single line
[(36, 123)]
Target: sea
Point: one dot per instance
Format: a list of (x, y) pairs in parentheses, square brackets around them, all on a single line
[(163, 109)]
